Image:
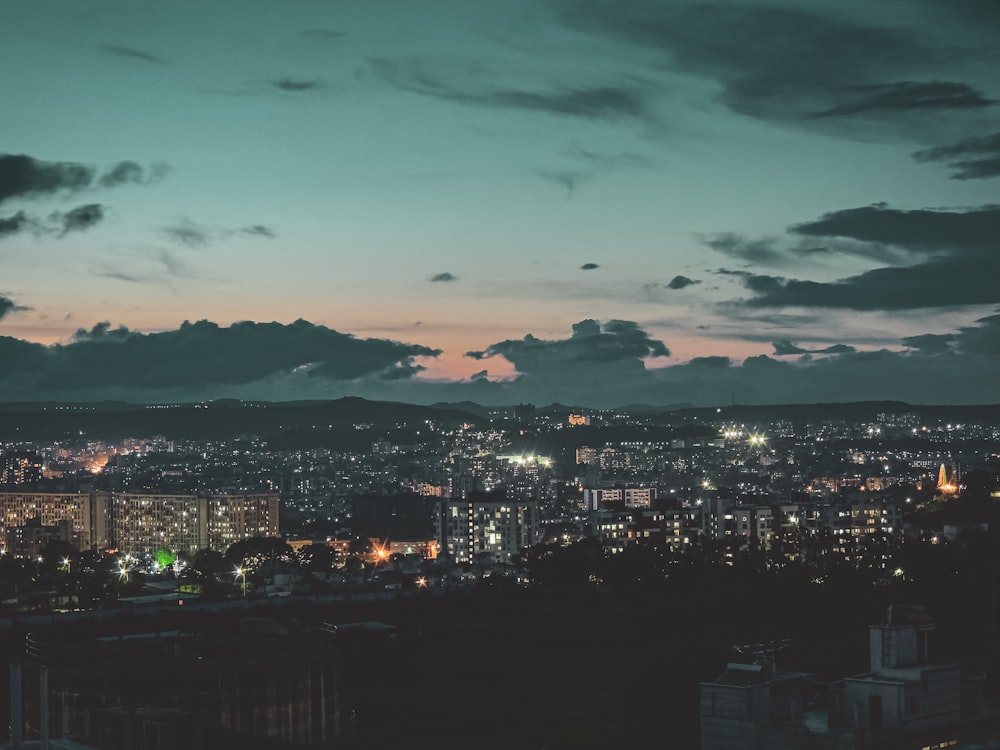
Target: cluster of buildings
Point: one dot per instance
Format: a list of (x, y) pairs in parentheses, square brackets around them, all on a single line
[(135, 523)]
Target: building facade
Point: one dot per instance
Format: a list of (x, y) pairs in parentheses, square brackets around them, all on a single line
[(139, 523)]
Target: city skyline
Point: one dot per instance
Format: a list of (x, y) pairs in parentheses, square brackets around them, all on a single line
[(662, 203)]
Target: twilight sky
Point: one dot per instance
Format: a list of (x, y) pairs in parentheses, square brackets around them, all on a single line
[(590, 202)]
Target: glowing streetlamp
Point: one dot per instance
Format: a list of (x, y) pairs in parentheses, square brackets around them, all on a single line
[(240, 573)]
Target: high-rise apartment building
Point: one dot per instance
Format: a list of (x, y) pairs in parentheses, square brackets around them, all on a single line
[(485, 528), (139, 523)]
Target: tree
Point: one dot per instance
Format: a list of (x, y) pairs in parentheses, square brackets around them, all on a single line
[(317, 558), (164, 557), (251, 554)]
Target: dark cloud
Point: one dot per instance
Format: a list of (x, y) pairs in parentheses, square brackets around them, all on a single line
[(784, 348), (105, 359), (24, 177), (974, 158), (909, 95), (80, 218), (130, 53), (680, 282), (950, 258), (771, 62), (295, 85), (713, 363), (589, 267), (443, 276), (8, 306), (930, 343), (561, 371), (472, 85), (922, 231), (925, 285), (619, 345), (19, 222), (58, 223)]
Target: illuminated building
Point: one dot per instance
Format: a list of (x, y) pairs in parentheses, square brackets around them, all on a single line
[(145, 522), (139, 523), (485, 528), (20, 467), (579, 420), (85, 512), (632, 497), (30, 540)]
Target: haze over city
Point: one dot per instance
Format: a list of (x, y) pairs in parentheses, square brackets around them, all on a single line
[(591, 203)]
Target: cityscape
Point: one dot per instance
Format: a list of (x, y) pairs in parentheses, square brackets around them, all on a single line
[(536, 375), (429, 519)]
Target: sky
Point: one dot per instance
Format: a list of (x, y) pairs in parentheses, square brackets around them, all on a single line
[(587, 202)]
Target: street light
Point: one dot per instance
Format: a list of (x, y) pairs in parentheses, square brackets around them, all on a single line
[(240, 573)]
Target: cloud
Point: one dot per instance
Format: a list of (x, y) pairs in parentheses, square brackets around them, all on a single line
[(761, 252), (473, 85), (80, 218), (930, 343), (983, 338), (295, 85), (130, 53), (259, 230), (58, 223), (593, 352), (19, 222), (975, 158), (197, 236), (105, 360), (598, 365), (589, 267), (787, 62), (130, 173), (909, 95), (8, 306), (443, 276), (561, 371), (922, 231), (24, 177), (168, 268), (680, 282), (945, 259), (784, 348), (190, 234)]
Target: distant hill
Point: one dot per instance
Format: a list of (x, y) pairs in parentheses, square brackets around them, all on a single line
[(216, 419), (353, 420)]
